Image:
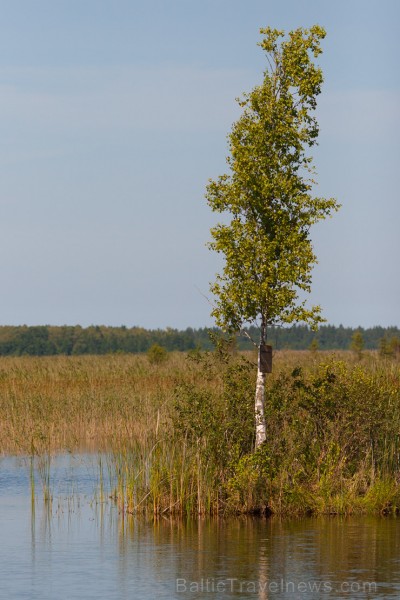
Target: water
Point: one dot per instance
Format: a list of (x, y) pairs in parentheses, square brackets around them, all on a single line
[(80, 547)]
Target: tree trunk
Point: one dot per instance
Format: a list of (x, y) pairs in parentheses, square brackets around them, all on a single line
[(261, 433)]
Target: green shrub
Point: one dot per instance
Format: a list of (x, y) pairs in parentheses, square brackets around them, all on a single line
[(157, 354)]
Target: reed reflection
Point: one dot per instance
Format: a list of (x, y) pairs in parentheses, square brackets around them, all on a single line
[(249, 557)]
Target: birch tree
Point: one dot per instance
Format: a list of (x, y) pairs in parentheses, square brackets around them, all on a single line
[(267, 198)]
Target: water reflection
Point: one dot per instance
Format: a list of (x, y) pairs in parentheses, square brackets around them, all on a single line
[(325, 557), (80, 546)]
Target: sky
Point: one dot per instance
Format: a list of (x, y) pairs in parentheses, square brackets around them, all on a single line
[(115, 113)]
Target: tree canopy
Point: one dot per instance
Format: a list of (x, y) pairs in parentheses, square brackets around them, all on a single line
[(268, 191)]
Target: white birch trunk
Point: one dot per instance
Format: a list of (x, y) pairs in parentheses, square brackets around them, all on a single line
[(261, 433)]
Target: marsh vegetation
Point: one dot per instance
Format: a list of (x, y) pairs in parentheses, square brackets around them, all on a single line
[(178, 436)]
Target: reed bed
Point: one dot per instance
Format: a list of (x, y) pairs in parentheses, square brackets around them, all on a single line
[(177, 437), (91, 402)]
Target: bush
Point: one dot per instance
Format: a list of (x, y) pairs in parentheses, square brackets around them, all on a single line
[(157, 354)]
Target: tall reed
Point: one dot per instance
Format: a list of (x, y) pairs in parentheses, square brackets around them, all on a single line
[(177, 437)]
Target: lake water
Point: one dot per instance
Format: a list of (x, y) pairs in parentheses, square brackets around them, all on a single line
[(80, 547)]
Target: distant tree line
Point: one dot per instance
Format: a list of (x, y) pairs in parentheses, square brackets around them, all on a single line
[(45, 340), (48, 340), (329, 337)]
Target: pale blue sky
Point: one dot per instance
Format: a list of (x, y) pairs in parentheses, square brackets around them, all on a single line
[(114, 114)]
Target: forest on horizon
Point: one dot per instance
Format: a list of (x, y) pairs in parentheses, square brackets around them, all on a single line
[(49, 340)]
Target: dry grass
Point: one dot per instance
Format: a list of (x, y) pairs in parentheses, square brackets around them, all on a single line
[(69, 403)]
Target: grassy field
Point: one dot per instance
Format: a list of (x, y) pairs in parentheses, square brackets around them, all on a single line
[(178, 436)]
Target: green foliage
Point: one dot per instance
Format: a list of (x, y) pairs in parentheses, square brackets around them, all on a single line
[(218, 421), (395, 346), (357, 343), (157, 354), (382, 496), (332, 445), (268, 192), (389, 347), (384, 347), (248, 487), (332, 432)]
